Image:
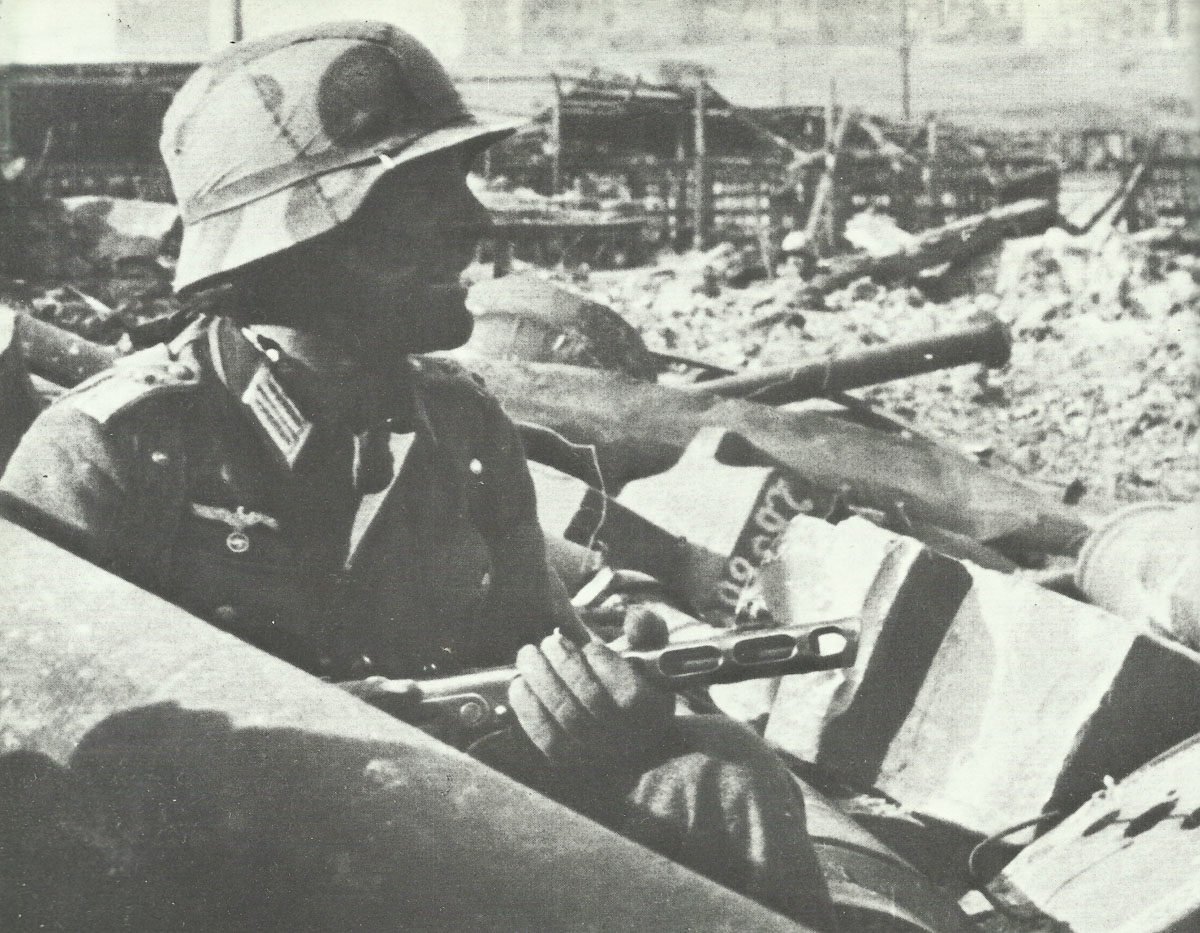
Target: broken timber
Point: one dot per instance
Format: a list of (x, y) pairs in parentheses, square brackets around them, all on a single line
[(953, 242), (822, 203), (1116, 206)]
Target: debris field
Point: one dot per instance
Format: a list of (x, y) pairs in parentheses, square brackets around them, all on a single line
[(1099, 400)]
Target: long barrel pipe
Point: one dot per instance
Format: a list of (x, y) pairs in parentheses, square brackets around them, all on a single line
[(988, 342)]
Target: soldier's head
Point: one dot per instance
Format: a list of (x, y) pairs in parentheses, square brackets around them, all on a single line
[(326, 168)]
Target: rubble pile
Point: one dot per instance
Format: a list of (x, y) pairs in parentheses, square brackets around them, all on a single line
[(1100, 396), (503, 198), (97, 266)]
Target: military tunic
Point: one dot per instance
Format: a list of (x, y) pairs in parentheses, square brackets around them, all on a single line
[(410, 546)]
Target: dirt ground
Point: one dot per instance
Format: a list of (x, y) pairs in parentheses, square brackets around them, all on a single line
[(1101, 389)]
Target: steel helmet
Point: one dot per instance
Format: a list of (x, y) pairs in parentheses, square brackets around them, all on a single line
[(280, 139)]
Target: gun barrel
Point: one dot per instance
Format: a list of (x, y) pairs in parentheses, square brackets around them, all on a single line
[(987, 342), (465, 706), (736, 656)]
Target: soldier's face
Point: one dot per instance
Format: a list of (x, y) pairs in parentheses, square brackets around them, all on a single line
[(398, 261)]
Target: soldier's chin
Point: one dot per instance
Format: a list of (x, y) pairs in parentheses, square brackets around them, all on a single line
[(444, 322)]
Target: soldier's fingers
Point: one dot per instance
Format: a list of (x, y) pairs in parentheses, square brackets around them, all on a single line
[(541, 727), (573, 669), (556, 695)]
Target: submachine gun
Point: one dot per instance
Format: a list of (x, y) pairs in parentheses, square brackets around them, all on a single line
[(462, 708)]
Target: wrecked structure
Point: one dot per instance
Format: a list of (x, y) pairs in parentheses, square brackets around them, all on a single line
[(696, 161), (1019, 654), (617, 167), (90, 129), (954, 571)]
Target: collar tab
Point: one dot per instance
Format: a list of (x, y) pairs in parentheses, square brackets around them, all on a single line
[(245, 370)]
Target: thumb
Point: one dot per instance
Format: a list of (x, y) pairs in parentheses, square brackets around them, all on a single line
[(645, 629)]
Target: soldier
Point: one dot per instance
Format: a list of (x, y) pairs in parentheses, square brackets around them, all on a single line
[(286, 468)]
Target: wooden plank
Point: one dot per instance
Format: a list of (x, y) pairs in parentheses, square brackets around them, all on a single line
[(1128, 860), (953, 242)]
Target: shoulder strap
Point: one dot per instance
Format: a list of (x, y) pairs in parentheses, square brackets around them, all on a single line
[(130, 382)]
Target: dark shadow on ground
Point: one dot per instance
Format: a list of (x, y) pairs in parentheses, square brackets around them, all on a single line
[(168, 819)]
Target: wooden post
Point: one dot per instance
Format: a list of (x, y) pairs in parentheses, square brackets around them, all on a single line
[(780, 51), (905, 60), (502, 254), (703, 186), (8, 147), (556, 138), (931, 170), (832, 113), (820, 230), (679, 180)]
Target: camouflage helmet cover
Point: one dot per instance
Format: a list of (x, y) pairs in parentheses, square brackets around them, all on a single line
[(279, 140)]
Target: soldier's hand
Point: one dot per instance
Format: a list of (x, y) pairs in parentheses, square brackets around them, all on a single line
[(588, 707)]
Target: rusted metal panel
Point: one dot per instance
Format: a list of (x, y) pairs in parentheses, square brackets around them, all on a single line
[(157, 772)]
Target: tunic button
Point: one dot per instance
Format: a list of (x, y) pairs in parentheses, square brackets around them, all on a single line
[(159, 458), (476, 466)]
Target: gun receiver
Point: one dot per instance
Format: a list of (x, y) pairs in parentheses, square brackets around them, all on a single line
[(462, 708)]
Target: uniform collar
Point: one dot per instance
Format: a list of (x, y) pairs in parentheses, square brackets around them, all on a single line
[(284, 414)]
